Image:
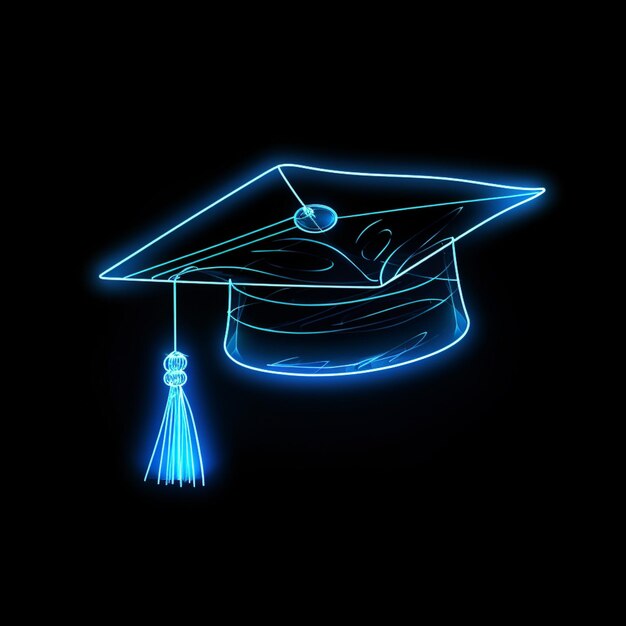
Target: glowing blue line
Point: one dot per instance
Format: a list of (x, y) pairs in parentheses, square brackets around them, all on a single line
[(456, 314), (168, 411), (170, 457), (411, 208), (418, 252), (191, 217), (364, 275), (333, 304), (190, 464), (293, 191), (367, 362), (178, 441), (418, 176), (359, 364), (174, 289), (317, 366), (224, 282), (339, 330), (368, 226), (386, 245), (173, 463), (217, 245), (455, 239), (493, 217), (421, 335), (289, 358), (165, 437), (450, 215), (285, 251), (446, 219), (169, 440), (284, 332), (195, 431), (243, 245), (156, 445), (411, 256), (130, 276), (432, 254), (540, 190), (430, 206), (327, 245), (402, 319), (439, 302), (386, 261), (357, 301), (249, 269), (355, 373), (308, 366)]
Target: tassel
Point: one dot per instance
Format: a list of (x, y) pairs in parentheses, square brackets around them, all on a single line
[(180, 454)]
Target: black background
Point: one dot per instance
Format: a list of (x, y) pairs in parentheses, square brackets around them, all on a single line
[(468, 431)]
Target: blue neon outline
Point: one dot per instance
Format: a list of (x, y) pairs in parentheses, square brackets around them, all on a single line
[(528, 194), (368, 226), (217, 245), (304, 206), (355, 373), (539, 191), (333, 331), (212, 256), (344, 302)]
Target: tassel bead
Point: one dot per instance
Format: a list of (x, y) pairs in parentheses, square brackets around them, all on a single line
[(175, 361)]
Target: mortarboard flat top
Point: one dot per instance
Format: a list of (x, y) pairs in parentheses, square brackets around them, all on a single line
[(330, 272)]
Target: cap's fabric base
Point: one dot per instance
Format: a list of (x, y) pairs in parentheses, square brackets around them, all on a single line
[(329, 332)]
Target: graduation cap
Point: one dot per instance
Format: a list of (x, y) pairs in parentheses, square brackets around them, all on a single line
[(329, 273)]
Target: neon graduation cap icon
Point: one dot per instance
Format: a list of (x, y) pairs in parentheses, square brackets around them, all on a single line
[(329, 273)]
